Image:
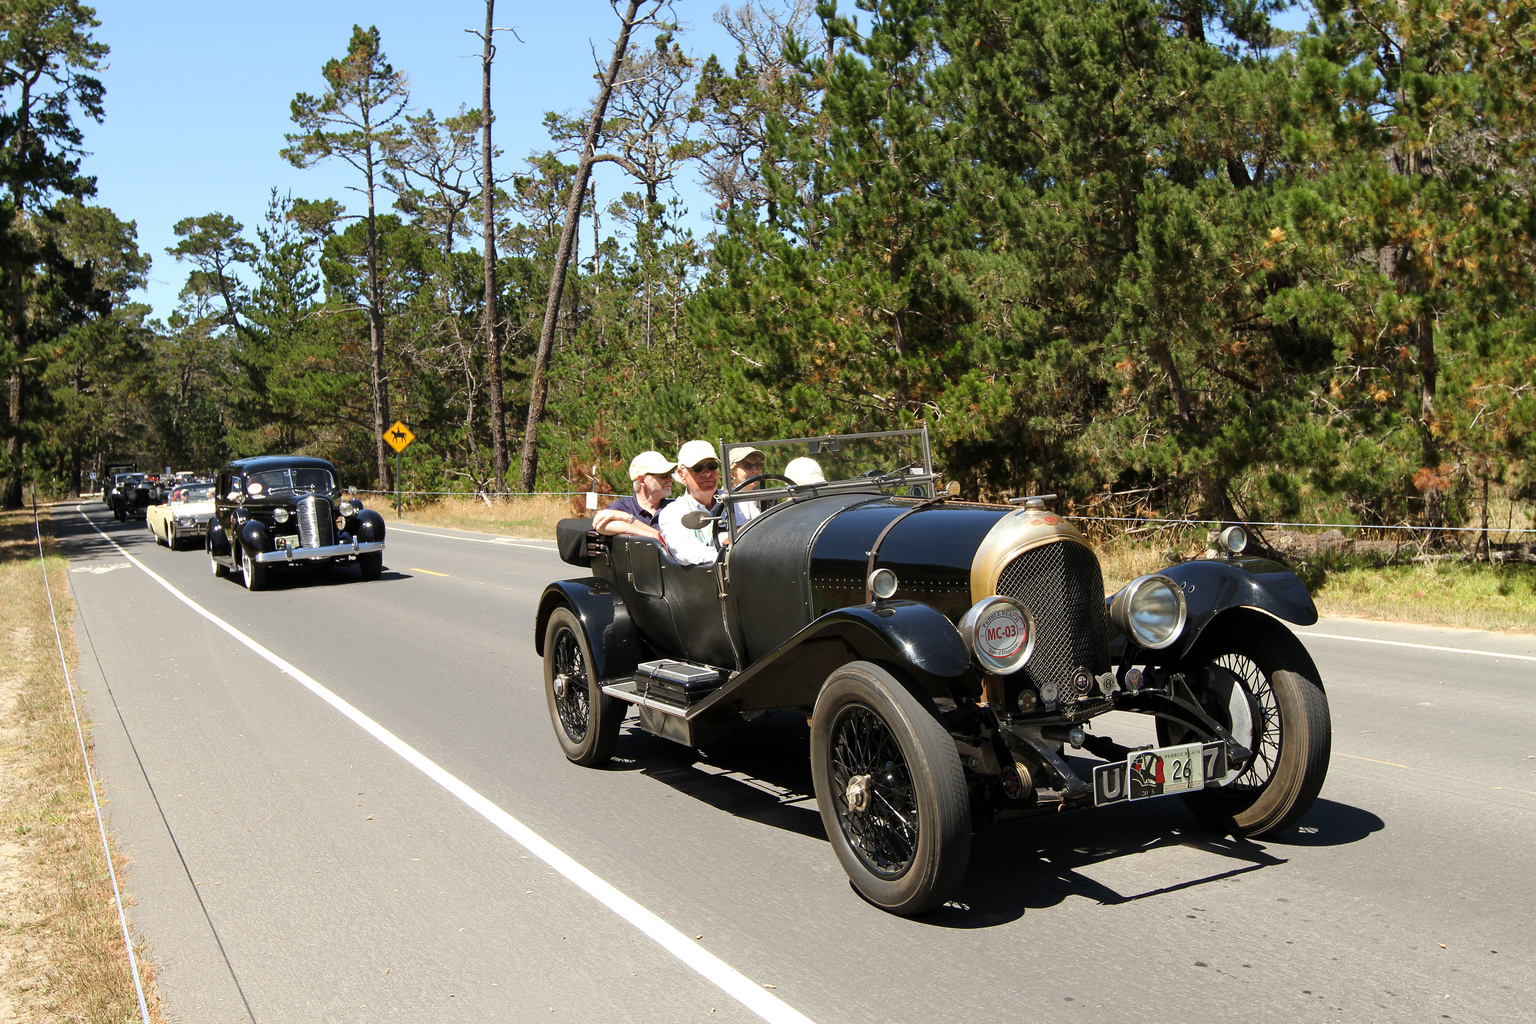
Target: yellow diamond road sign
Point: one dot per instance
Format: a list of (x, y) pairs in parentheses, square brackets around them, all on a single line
[(398, 436)]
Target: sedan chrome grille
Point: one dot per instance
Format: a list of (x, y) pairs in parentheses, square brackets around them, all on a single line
[(1064, 589), (316, 521)]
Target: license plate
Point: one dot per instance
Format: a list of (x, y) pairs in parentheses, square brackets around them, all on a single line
[(1159, 772), (288, 543)]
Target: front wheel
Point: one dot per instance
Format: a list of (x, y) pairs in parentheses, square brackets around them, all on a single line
[(371, 564), (586, 720), (1254, 677), (890, 789), (253, 572), (218, 568)]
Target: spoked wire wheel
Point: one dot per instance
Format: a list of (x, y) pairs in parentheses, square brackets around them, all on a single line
[(872, 788), (890, 790), (1254, 677), (586, 720)]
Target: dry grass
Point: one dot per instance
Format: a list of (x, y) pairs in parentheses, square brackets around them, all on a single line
[(528, 518), (61, 946)]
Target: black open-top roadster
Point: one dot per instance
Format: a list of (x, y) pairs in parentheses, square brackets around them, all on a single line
[(951, 657)]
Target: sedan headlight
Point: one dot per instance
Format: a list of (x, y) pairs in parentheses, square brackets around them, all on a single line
[(1000, 634), (280, 515), (1150, 610)]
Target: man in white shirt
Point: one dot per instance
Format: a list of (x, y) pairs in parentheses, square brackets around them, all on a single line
[(698, 469)]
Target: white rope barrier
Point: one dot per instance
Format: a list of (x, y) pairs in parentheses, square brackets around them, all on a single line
[(106, 848)]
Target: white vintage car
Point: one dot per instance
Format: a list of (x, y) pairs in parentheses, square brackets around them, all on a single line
[(184, 516)]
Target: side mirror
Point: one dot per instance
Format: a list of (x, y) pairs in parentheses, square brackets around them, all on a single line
[(697, 520)]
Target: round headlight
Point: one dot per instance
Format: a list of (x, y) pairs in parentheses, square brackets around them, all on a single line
[(1150, 610), (1233, 540), (1000, 634), (881, 584), (281, 515)]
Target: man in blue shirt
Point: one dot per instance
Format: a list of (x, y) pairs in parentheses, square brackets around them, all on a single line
[(636, 516)]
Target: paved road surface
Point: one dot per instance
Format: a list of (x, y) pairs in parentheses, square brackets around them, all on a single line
[(290, 865)]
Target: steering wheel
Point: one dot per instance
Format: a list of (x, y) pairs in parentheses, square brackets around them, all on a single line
[(759, 477)]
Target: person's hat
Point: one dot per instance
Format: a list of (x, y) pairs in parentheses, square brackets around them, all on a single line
[(804, 470), (741, 453), (695, 452), (650, 462)]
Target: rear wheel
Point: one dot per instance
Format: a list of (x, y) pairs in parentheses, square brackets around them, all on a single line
[(586, 720), (1254, 677), (891, 791)]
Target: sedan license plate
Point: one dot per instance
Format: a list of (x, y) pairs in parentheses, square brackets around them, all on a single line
[(1162, 771), (287, 543)]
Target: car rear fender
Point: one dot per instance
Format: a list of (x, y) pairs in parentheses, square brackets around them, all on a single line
[(1212, 587), (610, 634)]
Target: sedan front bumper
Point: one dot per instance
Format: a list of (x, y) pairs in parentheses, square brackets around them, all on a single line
[(356, 547)]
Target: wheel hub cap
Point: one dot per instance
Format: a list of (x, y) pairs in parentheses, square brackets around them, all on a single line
[(560, 684), (859, 793)]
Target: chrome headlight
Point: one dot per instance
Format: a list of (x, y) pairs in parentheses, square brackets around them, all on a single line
[(1000, 634), (881, 584), (1150, 610), (280, 515), (1233, 540)]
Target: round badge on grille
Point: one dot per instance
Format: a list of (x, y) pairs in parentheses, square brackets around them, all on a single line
[(1000, 633)]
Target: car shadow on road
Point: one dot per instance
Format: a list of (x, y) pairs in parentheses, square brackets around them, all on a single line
[(1040, 862), (762, 772)]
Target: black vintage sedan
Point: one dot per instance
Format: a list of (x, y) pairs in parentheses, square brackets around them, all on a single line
[(953, 660), (274, 512)]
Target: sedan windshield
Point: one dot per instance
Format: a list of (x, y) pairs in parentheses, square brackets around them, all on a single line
[(288, 481), (197, 492)]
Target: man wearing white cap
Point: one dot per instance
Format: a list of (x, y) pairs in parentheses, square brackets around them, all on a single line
[(698, 467), (651, 476)]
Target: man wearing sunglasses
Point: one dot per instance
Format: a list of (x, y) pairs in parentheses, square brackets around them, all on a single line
[(698, 468)]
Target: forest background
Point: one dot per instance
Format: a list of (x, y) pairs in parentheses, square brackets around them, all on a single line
[(1161, 257)]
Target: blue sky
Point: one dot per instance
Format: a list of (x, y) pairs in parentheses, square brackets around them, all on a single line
[(198, 96)]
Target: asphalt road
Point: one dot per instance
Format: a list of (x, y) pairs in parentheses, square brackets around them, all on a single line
[(356, 810)]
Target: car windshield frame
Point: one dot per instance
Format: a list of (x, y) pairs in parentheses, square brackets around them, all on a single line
[(288, 480), (850, 463)]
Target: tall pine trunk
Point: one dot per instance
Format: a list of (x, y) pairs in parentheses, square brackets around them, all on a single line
[(540, 388), (488, 227)]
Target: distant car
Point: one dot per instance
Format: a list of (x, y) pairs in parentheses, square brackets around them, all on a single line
[(109, 479), (131, 495), (274, 512), (953, 660), (184, 516)]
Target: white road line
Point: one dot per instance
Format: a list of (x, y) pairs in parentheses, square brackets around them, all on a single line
[(1420, 647), (513, 542), (730, 981)]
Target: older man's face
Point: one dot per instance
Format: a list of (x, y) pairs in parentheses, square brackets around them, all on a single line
[(701, 480), (650, 488)]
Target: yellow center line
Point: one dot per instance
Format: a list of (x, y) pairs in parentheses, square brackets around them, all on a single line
[(429, 572), (1373, 760)]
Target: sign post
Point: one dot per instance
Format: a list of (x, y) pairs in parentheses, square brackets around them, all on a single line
[(397, 437)]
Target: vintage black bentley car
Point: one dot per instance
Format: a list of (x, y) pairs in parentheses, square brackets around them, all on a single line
[(278, 511), (130, 495), (952, 659)]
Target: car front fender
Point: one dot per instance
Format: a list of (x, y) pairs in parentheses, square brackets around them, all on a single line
[(218, 540), (611, 636), (253, 536), (1211, 587), (370, 525)]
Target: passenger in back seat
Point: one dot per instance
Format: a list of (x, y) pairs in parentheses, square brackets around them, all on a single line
[(650, 474)]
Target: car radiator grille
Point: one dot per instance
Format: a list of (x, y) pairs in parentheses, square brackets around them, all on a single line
[(316, 522), (1064, 589)]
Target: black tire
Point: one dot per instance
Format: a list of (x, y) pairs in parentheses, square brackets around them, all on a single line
[(891, 790), (371, 564), (586, 720), (252, 572), (218, 568), (172, 538), (1255, 678)]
